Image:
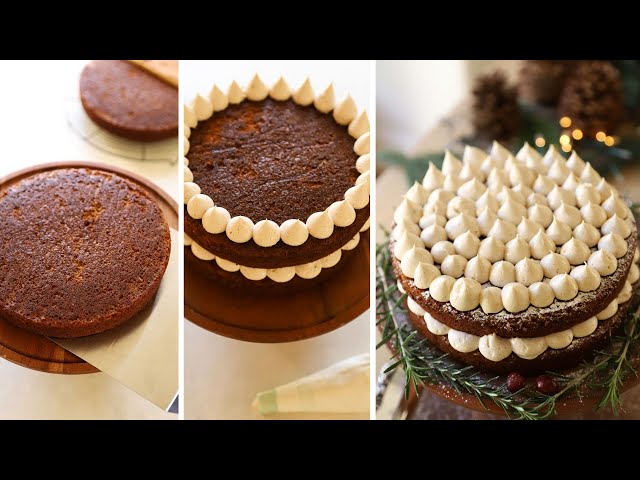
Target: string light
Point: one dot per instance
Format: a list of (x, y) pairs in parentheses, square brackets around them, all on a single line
[(566, 148), (600, 136), (540, 142), (609, 141), (564, 140), (577, 134), (565, 122)]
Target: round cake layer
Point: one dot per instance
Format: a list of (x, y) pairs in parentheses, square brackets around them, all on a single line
[(238, 281), (82, 251), (550, 360), (279, 255), (272, 160), (532, 322), (128, 101)]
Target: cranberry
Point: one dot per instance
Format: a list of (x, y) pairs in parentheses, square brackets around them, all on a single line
[(547, 385), (515, 382)]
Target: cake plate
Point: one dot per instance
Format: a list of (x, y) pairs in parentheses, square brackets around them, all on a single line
[(39, 352), (283, 317)]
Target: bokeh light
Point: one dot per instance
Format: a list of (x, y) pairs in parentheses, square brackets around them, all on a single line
[(565, 122)]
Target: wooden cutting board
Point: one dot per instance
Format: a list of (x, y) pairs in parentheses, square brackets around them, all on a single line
[(36, 351)]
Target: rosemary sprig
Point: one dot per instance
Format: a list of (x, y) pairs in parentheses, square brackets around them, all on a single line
[(422, 363), (622, 368)]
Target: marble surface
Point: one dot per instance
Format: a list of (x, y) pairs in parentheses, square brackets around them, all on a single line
[(33, 130)]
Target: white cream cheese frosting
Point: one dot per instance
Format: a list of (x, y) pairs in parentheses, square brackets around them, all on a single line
[(496, 348), (280, 275), (528, 230)]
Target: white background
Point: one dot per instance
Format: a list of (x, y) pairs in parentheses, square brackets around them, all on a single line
[(34, 129), (412, 95), (222, 376)]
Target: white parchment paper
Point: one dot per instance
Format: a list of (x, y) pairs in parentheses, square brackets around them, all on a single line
[(142, 354)]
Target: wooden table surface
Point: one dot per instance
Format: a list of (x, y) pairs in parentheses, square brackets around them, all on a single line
[(392, 183)]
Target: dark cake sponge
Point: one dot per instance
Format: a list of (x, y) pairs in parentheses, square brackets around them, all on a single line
[(81, 251), (128, 101), (550, 360), (533, 322)]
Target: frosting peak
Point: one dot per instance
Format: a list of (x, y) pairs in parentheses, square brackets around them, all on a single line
[(512, 211), (325, 101), (218, 99), (360, 125), (576, 251), (236, 93), (472, 189), (516, 250), (257, 90), (345, 111), (434, 178), (304, 95), (541, 245), (451, 165), (473, 156), (502, 230), (280, 91), (528, 272), (575, 163), (465, 294)]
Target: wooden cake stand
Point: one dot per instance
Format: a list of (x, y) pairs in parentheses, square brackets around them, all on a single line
[(36, 351), (281, 318)]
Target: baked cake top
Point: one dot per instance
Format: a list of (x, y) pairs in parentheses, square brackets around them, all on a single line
[(269, 165), (125, 96), (79, 248)]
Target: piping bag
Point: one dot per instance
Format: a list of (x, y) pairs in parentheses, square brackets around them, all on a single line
[(341, 388)]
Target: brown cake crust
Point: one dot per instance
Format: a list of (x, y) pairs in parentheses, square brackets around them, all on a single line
[(236, 280), (81, 251), (128, 101), (550, 360), (277, 161), (533, 322)]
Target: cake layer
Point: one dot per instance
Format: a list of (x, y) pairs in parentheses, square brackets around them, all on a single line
[(274, 160), (550, 360), (495, 347), (82, 250), (237, 281), (272, 168), (128, 101), (532, 322), (280, 254), (305, 271)]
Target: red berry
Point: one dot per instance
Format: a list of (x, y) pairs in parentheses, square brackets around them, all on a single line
[(547, 385), (515, 382)]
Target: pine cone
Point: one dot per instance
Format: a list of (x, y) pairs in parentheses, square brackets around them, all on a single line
[(495, 112), (541, 81), (593, 99)]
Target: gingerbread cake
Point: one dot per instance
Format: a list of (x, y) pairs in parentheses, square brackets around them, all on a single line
[(129, 101), (276, 185), (82, 251), (519, 263)]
